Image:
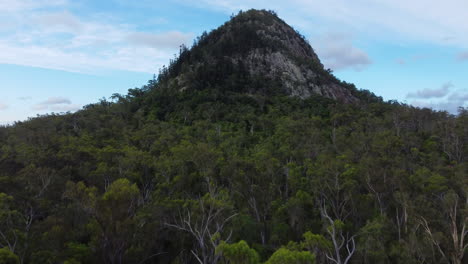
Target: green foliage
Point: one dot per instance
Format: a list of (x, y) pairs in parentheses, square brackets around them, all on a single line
[(115, 177), (7, 257), (71, 261), (312, 241), (373, 238), (43, 256), (429, 181), (238, 253), (78, 253), (286, 256)]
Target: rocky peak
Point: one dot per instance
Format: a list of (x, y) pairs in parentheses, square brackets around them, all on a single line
[(255, 52)]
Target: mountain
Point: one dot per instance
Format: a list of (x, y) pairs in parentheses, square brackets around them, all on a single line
[(242, 150), (257, 52)]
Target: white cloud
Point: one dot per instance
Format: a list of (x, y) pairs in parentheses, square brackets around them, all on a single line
[(394, 20), (432, 93), (52, 102), (60, 22), (66, 108), (450, 106), (227, 6), (56, 100), (3, 106), (25, 5), (337, 52), (56, 104), (461, 96), (400, 61), (442, 99), (64, 41), (462, 56), (165, 40), (411, 59)]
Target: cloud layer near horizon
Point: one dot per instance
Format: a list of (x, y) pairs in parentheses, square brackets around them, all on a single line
[(431, 93), (442, 98), (60, 104)]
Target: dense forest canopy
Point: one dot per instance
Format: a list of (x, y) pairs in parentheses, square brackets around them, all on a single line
[(216, 173)]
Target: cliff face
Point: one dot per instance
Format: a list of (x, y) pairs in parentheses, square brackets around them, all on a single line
[(256, 52)]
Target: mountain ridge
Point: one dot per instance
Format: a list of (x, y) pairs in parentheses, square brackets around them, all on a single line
[(255, 52)]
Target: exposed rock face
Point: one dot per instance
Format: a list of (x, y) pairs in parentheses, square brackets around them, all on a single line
[(297, 80), (293, 64), (266, 48)]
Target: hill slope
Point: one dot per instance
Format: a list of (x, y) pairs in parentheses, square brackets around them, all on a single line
[(207, 164)]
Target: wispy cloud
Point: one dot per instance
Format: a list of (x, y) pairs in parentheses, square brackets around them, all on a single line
[(338, 52), (441, 99), (56, 100), (165, 40), (400, 61), (394, 20), (432, 93), (3, 106), (60, 22), (461, 96), (450, 105), (42, 37), (462, 56), (411, 59), (65, 108), (25, 5), (53, 102), (24, 98)]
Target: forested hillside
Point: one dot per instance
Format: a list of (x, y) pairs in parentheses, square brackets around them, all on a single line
[(211, 164)]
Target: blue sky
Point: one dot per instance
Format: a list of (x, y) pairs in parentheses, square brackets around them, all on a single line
[(58, 55)]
